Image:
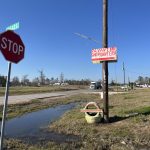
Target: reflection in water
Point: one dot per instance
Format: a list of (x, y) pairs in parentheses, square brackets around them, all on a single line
[(31, 124)]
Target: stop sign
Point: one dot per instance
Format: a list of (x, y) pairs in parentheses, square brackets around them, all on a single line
[(12, 46)]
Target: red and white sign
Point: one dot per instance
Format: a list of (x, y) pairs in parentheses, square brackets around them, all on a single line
[(104, 54), (12, 46)]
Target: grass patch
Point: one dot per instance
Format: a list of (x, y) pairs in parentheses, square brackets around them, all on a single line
[(14, 110), (129, 97), (32, 90), (141, 110), (123, 133), (13, 144), (121, 130)]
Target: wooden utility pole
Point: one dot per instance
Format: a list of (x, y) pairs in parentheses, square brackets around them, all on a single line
[(124, 76), (105, 63)]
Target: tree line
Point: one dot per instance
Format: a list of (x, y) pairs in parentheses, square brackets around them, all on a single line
[(139, 81), (143, 80), (41, 80)]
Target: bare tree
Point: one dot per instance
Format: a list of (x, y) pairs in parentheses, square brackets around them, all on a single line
[(61, 78), (146, 80), (47, 81), (140, 80), (35, 81), (52, 80), (41, 77), (25, 80), (15, 81)]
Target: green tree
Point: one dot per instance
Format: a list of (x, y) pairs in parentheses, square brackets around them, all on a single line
[(3, 81)]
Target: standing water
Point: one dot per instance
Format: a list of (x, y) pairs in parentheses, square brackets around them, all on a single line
[(32, 123)]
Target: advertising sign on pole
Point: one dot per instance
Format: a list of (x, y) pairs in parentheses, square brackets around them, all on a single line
[(104, 54)]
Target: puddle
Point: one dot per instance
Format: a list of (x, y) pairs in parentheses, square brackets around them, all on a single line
[(31, 125)]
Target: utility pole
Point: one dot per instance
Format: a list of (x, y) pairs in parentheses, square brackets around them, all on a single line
[(123, 68), (105, 63)]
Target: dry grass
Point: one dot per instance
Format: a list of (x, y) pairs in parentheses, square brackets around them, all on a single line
[(43, 89), (124, 132), (132, 132), (38, 104)]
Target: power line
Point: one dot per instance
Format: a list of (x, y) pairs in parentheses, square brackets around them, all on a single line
[(86, 37)]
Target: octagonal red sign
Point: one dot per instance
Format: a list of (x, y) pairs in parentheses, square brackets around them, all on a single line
[(12, 46)]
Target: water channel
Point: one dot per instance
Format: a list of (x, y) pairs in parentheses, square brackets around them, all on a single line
[(31, 124)]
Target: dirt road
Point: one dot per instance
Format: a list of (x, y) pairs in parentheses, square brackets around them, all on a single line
[(27, 98)]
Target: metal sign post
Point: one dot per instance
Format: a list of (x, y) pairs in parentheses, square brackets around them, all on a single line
[(12, 49), (5, 106)]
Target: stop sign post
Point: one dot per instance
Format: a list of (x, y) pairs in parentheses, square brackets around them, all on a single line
[(12, 49)]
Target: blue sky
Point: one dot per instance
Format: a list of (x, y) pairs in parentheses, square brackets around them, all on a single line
[(47, 28)]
